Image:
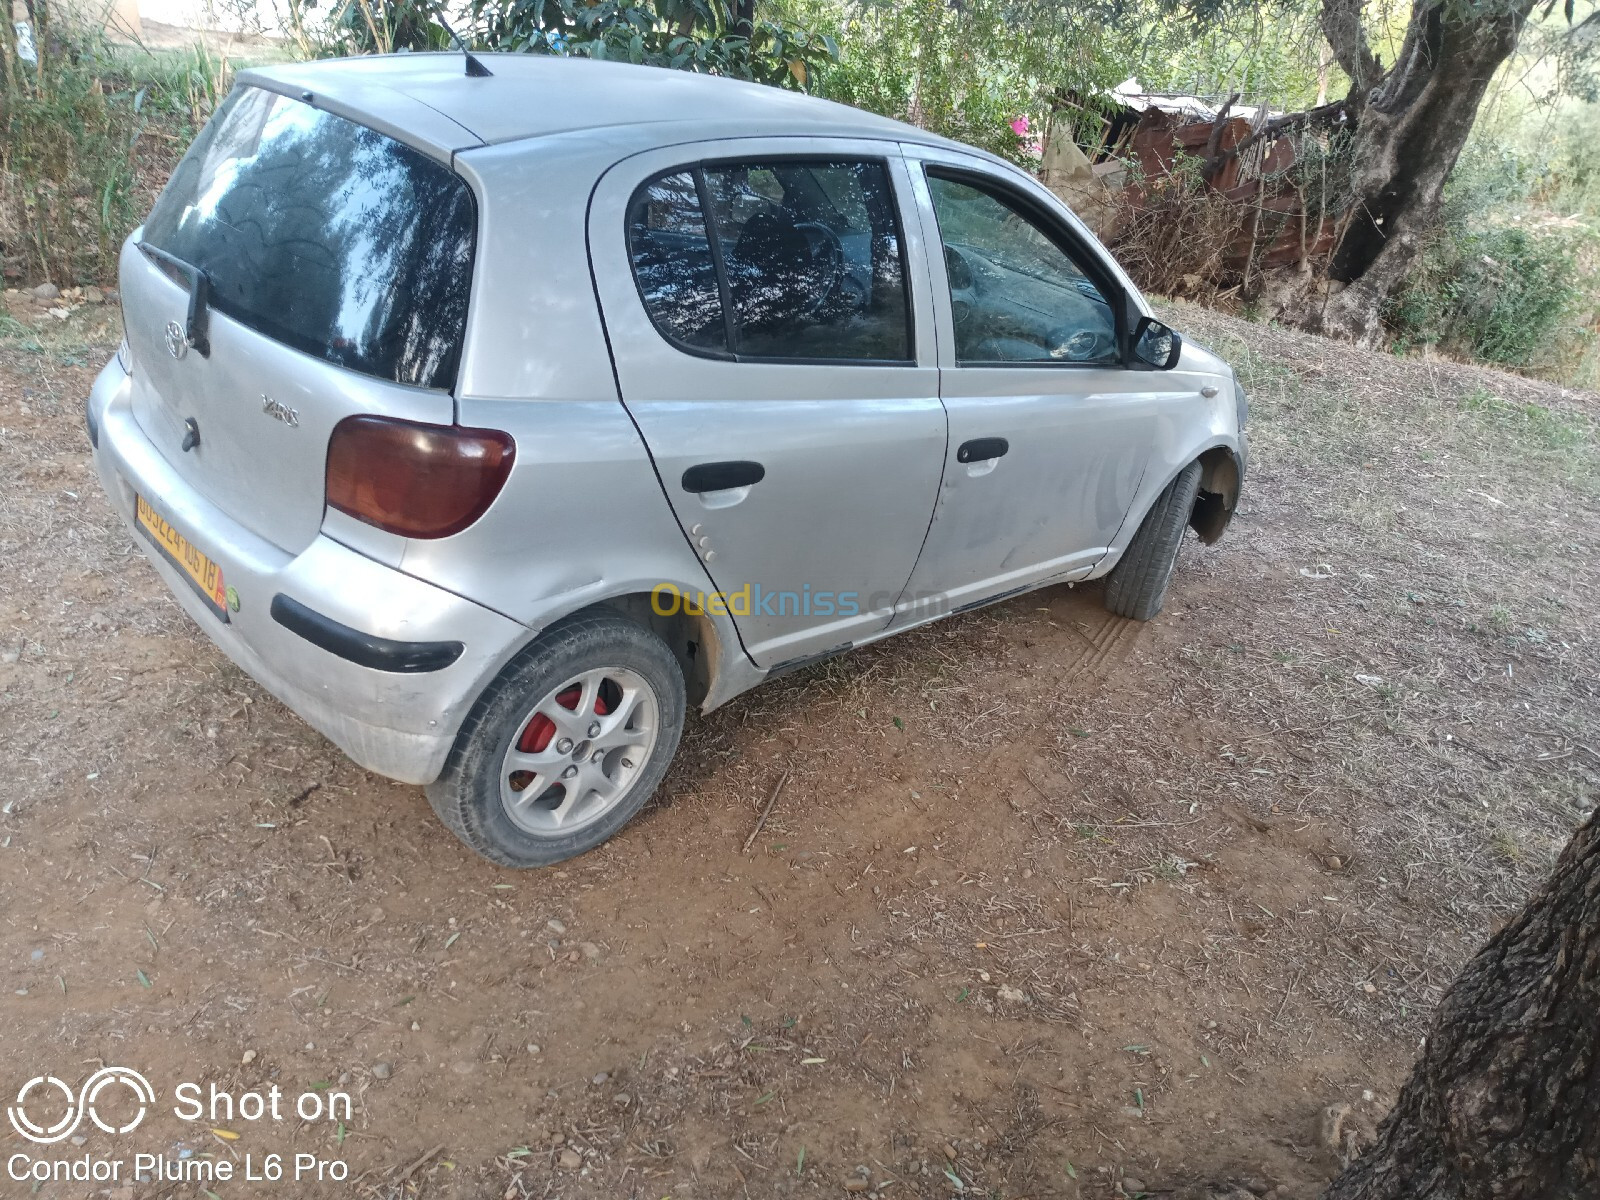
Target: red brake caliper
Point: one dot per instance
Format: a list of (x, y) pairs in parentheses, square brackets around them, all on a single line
[(536, 737)]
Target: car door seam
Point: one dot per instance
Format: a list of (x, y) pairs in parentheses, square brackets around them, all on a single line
[(616, 380), (938, 382)]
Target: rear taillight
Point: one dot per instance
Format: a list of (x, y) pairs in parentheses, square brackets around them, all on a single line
[(421, 481)]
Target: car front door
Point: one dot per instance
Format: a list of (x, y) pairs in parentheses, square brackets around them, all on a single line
[(767, 306), (1049, 430)]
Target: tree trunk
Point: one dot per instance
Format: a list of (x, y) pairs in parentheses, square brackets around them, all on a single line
[(1504, 1100), (1410, 126)]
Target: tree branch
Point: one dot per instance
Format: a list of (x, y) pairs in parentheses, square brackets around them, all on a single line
[(1341, 25), (1213, 161)]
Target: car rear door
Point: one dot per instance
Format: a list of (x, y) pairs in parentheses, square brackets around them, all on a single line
[(1049, 431), (334, 263), (767, 309)]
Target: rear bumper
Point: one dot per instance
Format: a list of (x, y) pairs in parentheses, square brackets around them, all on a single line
[(384, 665)]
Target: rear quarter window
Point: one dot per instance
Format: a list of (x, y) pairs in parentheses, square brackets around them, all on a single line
[(327, 236)]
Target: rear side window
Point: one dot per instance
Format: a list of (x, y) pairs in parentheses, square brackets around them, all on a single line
[(795, 260), (672, 263), (325, 235)]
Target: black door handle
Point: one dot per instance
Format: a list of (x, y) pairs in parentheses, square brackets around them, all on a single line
[(979, 449), (719, 476)]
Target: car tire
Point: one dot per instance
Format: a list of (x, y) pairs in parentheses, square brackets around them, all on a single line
[(477, 794), (1137, 585)]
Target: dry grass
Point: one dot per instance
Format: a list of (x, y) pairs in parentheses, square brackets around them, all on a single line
[(1455, 508)]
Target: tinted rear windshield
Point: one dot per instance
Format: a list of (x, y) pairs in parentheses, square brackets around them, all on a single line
[(325, 235)]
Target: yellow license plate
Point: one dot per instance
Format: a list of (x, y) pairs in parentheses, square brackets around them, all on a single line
[(205, 574)]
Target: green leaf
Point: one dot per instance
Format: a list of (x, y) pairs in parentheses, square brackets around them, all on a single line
[(144, 980), (1072, 1171), (800, 1163)]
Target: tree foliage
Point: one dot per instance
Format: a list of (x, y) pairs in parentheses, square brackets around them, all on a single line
[(693, 35), (709, 36), (1270, 56), (969, 70)]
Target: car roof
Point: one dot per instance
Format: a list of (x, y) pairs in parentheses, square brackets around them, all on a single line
[(535, 95)]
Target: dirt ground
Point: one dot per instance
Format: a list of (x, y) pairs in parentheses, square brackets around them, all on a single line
[(1052, 904)]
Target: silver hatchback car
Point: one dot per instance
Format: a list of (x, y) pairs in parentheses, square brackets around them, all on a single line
[(490, 412)]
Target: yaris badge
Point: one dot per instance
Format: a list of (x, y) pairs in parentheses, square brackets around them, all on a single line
[(279, 411)]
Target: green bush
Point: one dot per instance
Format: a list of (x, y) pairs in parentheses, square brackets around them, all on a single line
[(77, 169), (67, 178), (1503, 294), (1498, 281)]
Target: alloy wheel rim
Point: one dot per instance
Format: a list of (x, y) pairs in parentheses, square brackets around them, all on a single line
[(579, 751)]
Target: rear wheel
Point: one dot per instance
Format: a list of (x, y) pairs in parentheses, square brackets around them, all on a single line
[(564, 747), (1137, 585)]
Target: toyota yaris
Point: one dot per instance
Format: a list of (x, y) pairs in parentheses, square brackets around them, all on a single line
[(491, 418)]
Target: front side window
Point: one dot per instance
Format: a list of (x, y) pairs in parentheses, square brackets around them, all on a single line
[(803, 260), (1016, 296), (325, 235)]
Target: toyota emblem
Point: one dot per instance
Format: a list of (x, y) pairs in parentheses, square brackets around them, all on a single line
[(177, 343)]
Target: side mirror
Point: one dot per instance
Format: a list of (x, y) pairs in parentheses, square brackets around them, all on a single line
[(1155, 345)]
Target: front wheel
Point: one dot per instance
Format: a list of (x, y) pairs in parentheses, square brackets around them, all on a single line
[(564, 747), (1137, 585)]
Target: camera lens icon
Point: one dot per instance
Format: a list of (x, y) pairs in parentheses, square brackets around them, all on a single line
[(79, 1106)]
